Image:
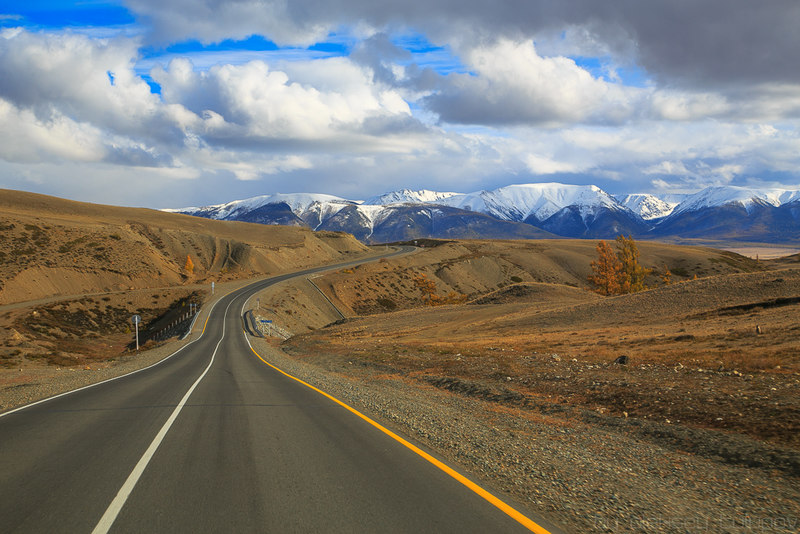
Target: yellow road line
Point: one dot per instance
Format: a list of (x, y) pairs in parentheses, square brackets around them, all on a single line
[(502, 506)]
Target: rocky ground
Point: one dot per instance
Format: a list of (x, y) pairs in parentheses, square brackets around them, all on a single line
[(584, 470)]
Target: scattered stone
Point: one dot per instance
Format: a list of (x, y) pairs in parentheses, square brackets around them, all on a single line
[(622, 360)]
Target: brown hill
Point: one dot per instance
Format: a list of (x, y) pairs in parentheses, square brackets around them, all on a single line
[(474, 268), (51, 247), (716, 352), (72, 274), (703, 371)]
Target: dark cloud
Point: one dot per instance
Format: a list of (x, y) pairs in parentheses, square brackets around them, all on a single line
[(712, 42), (723, 107), (392, 125), (693, 43), (377, 53)]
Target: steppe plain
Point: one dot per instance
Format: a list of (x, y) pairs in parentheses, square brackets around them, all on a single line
[(512, 376)]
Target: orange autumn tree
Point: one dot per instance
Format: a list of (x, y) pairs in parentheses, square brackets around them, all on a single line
[(429, 295), (633, 273), (667, 276), (618, 273), (428, 289), (189, 264), (606, 270)]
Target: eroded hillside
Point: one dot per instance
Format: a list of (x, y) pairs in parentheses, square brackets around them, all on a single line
[(519, 317), (531, 324), (465, 270), (72, 274), (52, 247)]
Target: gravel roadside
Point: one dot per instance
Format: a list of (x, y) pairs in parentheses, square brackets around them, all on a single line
[(26, 385), (580, 476), (19, 387)]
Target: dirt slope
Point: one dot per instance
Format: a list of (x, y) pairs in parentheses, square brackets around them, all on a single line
[(556, 340), (51, 247), (72, 274), (474, 268)]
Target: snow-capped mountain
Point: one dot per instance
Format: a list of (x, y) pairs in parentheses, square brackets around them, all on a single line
[(297, 202), (739, 213), (563, 209), (534, 201), (400, 217), (646, 206), (407, 196), (744, 196), (404, 222), (527, 211), (310, 208)]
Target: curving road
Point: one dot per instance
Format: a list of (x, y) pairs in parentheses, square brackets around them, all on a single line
[(215, 440)]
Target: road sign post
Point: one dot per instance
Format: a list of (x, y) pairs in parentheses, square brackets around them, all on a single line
[(136, 319)]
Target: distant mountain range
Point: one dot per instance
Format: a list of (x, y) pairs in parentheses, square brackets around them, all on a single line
[(528, 211)]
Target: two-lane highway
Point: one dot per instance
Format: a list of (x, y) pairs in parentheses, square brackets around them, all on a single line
[(215, 440)]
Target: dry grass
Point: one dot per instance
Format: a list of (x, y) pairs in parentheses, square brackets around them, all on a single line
[(694, 355), (556, 270)]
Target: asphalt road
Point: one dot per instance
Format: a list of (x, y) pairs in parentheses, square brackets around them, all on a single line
[(214, 440)]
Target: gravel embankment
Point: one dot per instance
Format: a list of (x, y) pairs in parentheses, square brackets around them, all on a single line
[(23, 386), (581, 476)]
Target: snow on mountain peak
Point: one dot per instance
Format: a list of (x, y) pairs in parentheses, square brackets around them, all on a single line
[(511, 203), (297, 202), (647, 206), (561, 209), (403, 196), (521, 201), (745, 196)]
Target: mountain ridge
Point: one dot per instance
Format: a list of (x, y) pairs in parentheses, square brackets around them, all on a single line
[(554, 209)]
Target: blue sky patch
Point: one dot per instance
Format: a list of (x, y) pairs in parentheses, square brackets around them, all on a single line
[(604, 69), (57, 14), (252, 43)]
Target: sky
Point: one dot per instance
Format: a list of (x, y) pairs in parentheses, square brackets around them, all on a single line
[(174, 103)]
